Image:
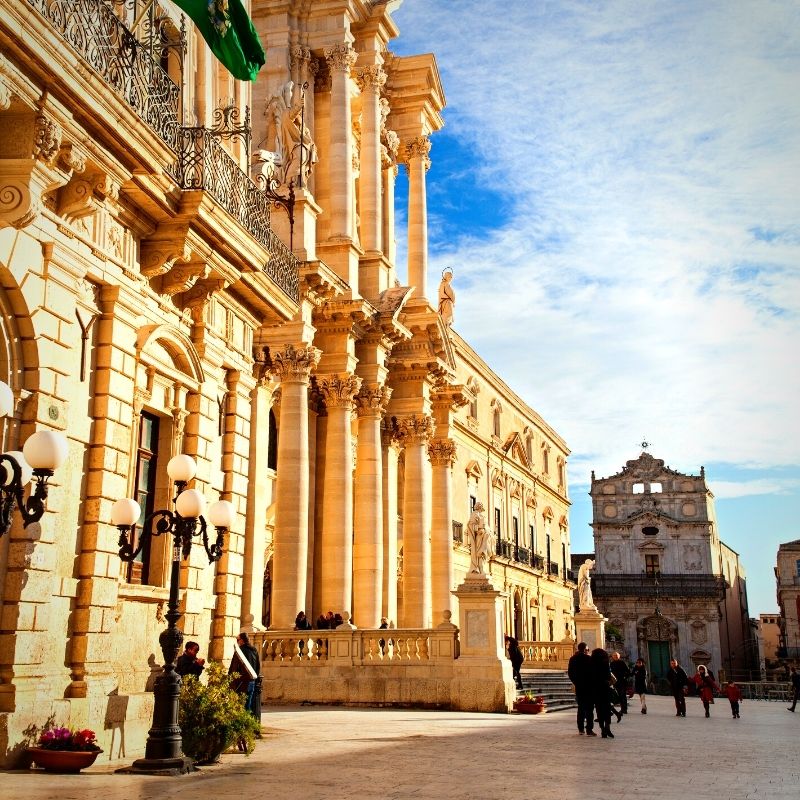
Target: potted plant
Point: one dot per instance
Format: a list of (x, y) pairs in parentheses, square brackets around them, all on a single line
[(61, 749), (212, 716), (530, 704)]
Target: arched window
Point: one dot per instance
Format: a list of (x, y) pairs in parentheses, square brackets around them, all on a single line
[(474, 389), (528, 436), (496, 411), (272, 452)]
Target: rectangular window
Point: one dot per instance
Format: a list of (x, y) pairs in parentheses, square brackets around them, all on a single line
[(564, 560), (534, 629), (515, 522), (797, 567), (472, 501), (497, 522), (651, 564), (548, 551), (144, 492), (532, 532), (550, 627)]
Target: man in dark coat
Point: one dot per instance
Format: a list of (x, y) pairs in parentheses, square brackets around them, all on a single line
[(621, 671), (188, 663), (678, 684), (579, 670), (516, 657), (794, 678)]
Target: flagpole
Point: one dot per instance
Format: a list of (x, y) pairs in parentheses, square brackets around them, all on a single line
[(138, 21)]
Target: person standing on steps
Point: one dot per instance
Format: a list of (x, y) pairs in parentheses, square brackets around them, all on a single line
[(579, 670)]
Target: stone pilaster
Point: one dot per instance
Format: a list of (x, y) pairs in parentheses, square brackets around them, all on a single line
[(336, 548), (368, 508), (418, 163), (391, 452), (371, 79), (292, 367), (442, 454), (415, 432)]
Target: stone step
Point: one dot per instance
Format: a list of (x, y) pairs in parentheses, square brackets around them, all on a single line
[(554, 685)]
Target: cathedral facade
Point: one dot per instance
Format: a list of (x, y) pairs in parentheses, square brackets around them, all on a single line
[(196, 265), (663, 576)]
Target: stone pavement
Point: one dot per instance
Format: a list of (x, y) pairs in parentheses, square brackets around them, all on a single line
[(311, 753)]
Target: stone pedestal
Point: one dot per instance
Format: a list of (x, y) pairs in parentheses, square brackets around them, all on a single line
[(483, 680), (590, 627)]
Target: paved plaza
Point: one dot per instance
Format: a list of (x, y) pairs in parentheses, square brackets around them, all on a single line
[(318, 752)]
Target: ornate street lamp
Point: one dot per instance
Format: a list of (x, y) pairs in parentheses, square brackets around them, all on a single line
[(42, 454), (163, 753)]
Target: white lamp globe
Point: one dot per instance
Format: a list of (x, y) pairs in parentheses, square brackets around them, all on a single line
[(6, 400), (190, 503), (221, 514), (46, 450), (181, 468), (26, 470), (125, 512)]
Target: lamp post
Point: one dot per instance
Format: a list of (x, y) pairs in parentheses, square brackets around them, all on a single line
[(163, 753), (42, 454)]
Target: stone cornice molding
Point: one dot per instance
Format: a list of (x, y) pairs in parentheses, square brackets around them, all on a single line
[(341, 57), (339, 389), (442, 452), (294, 364), (371, 78), (372, 400), (6, 91), (415, 429)]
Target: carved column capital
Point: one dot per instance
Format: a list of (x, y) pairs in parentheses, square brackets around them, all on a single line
[(294, 364), (415, 429), (372, 400), (390, 434), (341, 57), (418, 147), (371, 78), (442, 452), (299, 56), (339, 389)]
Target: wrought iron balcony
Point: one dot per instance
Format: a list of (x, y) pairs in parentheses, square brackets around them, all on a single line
[(552, 568), (458, 532), (571, 576), (538, 562), (93, 29), (643, 585)]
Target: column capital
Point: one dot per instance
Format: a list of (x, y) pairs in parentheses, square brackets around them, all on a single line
[(371, 78), (341, 57), (339, 389), (442, 452), (294, 364), (372, 400), (415, 429), (390, 434), (418, 147)]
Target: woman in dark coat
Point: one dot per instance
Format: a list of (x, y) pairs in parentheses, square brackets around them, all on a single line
[(640, 682), (601, 690)]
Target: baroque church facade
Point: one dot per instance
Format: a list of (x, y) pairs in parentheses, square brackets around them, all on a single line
[(157, 299), (663, 576)]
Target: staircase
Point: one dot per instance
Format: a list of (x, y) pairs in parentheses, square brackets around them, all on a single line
[(554, 685)]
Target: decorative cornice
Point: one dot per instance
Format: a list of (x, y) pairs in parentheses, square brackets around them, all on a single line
[(442, 452), (339, 389), (294, 364)]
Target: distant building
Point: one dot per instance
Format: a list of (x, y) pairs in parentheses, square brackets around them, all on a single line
[(769, 638), (787, 576), (663, 576)]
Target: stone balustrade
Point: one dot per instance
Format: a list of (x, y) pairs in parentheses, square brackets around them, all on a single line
[(547, 655)]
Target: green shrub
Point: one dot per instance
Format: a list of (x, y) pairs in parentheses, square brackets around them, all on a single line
[(212, 716)]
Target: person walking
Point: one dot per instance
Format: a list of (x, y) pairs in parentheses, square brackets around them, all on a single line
[(601, 680), (516, 657), (706, 687), (621, 671), (794, 678), (734, 695), (640, 682), (678, 683), (579, 669)]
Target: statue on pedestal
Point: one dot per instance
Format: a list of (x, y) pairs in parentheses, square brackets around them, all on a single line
[(447, 298), (481, 541), (584, 587)]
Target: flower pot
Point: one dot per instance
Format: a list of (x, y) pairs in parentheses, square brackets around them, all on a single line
[(529, 707), (69, 761)]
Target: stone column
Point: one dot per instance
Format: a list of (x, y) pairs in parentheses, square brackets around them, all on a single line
[(292, 367), (371, 79), (336, 566), (391, 451), (340, 58), (416, 431), (368, 508), (442, 453), (418, 163)]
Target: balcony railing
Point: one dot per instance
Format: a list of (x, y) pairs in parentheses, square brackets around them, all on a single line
[(552, 568), (571, 576), (93, 29), (642, 585), (537, 562), (458, 532)]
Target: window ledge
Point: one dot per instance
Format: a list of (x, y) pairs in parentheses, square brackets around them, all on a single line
[(143, 593)]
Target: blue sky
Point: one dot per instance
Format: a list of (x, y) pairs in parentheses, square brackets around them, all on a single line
[(622, 180)]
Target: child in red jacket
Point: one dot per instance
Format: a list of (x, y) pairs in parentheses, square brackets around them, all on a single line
[(734, 694)]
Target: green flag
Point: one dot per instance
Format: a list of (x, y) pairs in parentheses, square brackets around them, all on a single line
[(229, 33)]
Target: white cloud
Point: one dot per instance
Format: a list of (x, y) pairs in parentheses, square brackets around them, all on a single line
[(760, 486)]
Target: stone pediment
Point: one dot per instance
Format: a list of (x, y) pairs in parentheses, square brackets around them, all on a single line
[(515, 448), (649, 516), (647, 468)]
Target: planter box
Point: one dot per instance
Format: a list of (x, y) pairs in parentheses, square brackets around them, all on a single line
[(65, 761), (528, 707)]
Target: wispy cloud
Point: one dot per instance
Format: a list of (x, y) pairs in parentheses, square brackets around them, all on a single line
[(760, 486)]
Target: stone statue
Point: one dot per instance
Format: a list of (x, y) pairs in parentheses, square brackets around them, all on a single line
[(294, 150), (585, 587), (447, 297), (481, 541)]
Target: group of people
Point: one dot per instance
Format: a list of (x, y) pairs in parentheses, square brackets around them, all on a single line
[(602, 682)]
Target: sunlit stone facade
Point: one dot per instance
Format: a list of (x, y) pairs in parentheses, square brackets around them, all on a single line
[(150, 305)]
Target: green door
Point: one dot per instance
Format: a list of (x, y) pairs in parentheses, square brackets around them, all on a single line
[(659, 662)]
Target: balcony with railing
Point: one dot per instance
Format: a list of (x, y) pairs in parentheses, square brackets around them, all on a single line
[(643, 585), (458, 532), (553, 569)]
